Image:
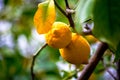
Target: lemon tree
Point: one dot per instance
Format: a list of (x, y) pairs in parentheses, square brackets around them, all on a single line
[(70, 31), (78, 37)]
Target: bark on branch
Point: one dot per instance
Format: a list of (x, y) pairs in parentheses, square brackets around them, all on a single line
[(87, 71), (67, 12), (118, 70)]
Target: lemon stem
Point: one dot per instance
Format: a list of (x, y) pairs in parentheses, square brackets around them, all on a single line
[(60, 8), (69, 16), (34, 58), (67, 13), (94, 60)]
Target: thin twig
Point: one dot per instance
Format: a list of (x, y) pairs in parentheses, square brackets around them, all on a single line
[(69, 15), (118, 69), (33, 60), (60, 8), (94, 60), (111, 74), (67, 5), (108, 70)]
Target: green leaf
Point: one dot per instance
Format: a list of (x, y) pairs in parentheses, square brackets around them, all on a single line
[(45, 16), (72, 3), (45, 64), (83, 12), (61, 3), (117, 53), (60, 17), (107, 22)]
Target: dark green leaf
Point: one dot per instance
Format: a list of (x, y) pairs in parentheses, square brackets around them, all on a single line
[(117, 53), (107, 21)]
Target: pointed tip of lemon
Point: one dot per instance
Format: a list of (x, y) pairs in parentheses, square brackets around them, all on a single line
[(91, 39)]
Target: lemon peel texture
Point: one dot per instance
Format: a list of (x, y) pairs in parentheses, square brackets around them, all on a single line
[(77, 52), (59, 36)]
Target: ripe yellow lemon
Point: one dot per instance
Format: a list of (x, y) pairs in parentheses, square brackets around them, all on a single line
[(59, 36), (92, 77), (91, 39), (77, 52)]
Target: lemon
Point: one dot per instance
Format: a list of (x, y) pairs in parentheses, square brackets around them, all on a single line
[(59, 36), (92, 77), (91, 39), (78, 50)]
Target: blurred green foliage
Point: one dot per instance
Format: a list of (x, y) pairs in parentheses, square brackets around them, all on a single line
[(18, 14)]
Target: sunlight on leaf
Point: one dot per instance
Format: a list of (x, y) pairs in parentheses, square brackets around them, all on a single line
[(44, 16), (83, 13)]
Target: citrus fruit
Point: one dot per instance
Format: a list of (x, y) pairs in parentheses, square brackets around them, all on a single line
[(92, 77), (59, 36), (78, 50), (91, 39)]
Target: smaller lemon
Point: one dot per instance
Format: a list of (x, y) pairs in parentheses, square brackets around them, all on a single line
[(92, 77), (77, 52), (91, 39), (59, 36)]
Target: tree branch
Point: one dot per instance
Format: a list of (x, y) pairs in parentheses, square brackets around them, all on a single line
[(87, 71), (69, 15), (118, 70), (33, 60), (64, 13), (112, 75)]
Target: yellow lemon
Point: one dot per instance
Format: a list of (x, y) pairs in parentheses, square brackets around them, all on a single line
[(59, 36), (92, 77), (44, 16), (77, 52), (91, 38)]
